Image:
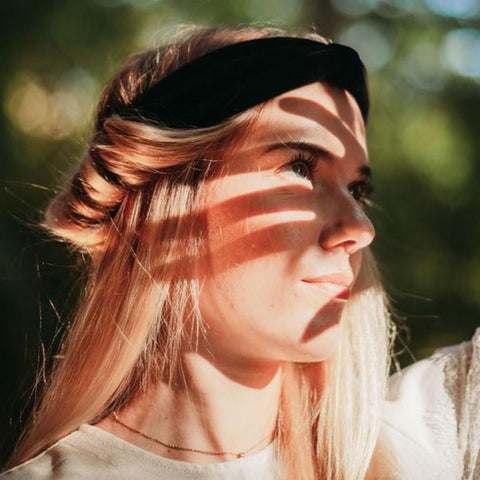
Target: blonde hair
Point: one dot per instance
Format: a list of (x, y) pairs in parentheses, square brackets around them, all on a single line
[(134, 196)]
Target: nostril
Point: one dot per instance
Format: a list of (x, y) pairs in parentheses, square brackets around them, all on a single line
[(353, 246)]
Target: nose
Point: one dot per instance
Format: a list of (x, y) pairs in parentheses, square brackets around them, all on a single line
[(348, 227)]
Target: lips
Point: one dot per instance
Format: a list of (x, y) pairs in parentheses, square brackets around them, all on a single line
[(336, 278), (337, 285)]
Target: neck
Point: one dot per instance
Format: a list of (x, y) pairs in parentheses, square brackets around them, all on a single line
[(227, 408)]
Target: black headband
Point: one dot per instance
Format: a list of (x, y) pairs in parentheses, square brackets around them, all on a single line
[(232, 79)]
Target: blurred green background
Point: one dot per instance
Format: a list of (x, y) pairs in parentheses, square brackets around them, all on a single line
[(424, 62)]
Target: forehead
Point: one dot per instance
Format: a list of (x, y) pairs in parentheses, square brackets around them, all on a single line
[(315, 112)]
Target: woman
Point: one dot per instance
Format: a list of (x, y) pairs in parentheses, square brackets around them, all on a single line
[(233, 324)]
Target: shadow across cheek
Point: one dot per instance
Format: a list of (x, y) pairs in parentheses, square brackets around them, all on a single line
[(174, 235)]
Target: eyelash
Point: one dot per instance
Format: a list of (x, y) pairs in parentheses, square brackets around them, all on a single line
[(361, 190)]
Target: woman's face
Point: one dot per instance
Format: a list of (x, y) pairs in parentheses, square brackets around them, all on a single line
[(286, 230)]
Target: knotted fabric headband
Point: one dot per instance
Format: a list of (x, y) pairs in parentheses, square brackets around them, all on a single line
[(231, 79)]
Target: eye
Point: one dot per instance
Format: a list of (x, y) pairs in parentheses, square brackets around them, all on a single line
[(361, 191), (302, 166)]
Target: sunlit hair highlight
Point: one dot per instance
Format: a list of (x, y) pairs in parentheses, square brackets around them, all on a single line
[(132, 209)]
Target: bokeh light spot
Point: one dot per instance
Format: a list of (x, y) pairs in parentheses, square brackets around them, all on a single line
[(454, 8), (461, 51), (371, 43), (27, 105), (41, 109)]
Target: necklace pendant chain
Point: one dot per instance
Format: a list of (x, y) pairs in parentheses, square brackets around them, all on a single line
[(186, 449)]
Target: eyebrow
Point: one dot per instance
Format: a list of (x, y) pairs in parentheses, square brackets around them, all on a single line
[(317, 151)]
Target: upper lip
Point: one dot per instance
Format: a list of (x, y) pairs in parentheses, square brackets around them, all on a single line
[(337, 278)]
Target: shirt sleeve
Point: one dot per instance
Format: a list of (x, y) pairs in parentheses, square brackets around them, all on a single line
[(461, 368), (432, 415)]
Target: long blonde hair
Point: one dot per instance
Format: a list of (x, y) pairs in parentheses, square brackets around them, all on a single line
[(131, 208)]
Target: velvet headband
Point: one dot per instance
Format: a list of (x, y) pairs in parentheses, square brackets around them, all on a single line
[(231, 79)]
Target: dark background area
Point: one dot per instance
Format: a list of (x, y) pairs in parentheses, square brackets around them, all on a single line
[(424, 62)]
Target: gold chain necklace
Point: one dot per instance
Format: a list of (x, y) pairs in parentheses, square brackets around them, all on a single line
[(196, 450)]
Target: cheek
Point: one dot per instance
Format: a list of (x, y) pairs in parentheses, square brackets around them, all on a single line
[(251, 283), (246, 258), (256, 240), (251, 227), (268, 316), (263, 306)]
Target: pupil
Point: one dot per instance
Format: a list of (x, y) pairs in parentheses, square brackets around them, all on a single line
[(300, 169)]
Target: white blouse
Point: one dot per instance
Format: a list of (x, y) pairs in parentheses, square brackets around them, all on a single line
[(431, 417)]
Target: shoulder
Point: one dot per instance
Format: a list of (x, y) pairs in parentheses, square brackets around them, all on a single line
[(84, 454), (432, 408), (449, 379), (56, 462), (451, 370)]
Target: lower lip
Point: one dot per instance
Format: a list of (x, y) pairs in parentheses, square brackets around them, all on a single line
[(331, 289)]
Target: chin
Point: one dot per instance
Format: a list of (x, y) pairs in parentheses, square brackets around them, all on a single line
[(319, 347)]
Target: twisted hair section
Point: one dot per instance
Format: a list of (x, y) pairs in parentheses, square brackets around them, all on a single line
[(124, 159)]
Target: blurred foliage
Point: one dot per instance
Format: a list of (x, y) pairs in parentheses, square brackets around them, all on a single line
[(424, 63)]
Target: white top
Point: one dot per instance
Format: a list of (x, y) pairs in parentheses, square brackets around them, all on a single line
[(431, 416), (91, 453)]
